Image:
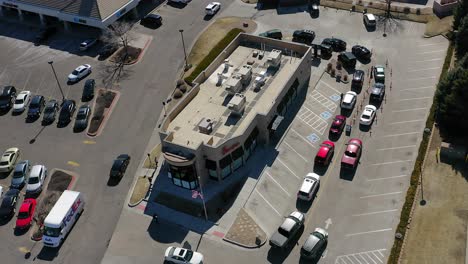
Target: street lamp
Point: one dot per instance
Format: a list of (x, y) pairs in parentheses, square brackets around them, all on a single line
[(58, 83), (187, 66)]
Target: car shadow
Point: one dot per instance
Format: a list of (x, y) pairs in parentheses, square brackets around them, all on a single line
[(365, 128), (150, 26), (356, 88), (347, 174), (4, 175), (20, 232), (365, 61), (30, 119), (48, 253), (78, 130), (208, 17), (334, 137), (176, 5), (277, 256), (62, 125), (346, 112), (113, 181), (320, 169)]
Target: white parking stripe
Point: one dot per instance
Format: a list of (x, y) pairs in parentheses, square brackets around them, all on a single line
[(367, 254), (303, 138), (343, 258), (369, 232), (391, 162), (282, 163), (402, 134), (407, 110), (437, 59), (376, 257), (300, 156), (387, 178), (402, 147), (417, 98), (422, 78), (27, 80), (434, 51), (348, 257), (268, 202), (409, 121), (427, 69), (431, 44), (279, 185), (329, 86), (417, 88), (377, 212), (378, 195)]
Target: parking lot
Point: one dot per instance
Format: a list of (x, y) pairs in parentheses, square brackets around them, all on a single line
[(360, 209)]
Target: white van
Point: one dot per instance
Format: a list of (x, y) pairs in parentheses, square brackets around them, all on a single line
[(61, 218), (369, 20)]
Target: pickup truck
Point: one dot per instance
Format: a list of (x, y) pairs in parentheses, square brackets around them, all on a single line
[(287, 231)]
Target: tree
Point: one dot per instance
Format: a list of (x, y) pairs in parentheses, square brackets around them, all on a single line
[(461, 41), (459, 13), (388, 21)]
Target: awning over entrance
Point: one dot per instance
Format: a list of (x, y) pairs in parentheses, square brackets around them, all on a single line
[(177, 160), (276, 122)]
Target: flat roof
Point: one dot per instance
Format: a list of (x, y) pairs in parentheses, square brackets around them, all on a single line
[(212, 100), (58, 213)]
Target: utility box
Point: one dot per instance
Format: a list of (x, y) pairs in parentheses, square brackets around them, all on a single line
[(234, 84), (205, 126), (237, 104), (273, 59)]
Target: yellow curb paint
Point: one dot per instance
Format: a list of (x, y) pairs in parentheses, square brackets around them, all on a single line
[(72, 163), (23, 249), (89, 142)]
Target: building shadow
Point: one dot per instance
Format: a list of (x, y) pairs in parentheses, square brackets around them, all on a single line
[(166, 233)]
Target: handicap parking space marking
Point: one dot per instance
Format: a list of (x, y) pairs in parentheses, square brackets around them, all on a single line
[(313, 138), (335, 97), (329, 104), (325, 115), (376, 256)]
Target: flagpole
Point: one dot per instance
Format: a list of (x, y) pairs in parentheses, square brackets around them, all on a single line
[(203, 199)]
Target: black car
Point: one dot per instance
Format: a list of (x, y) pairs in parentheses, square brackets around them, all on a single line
[(273, 33), (107, 50), (377, 92), (361, 52), (66, 113), (50, 111), (304, 36), (44, 33), (335, 43), (120, 166), (358, 79), (7, 97), (88, 90), (82, 118), (347, 59), (152, 20), (8, 205), (36, 106)]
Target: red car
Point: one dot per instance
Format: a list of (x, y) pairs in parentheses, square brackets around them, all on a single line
[(26, 213), (352, 154), (325, 153), (338, 124)]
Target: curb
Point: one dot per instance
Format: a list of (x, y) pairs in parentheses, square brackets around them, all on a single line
[(242, 245), (141, 200), (143, 50), (106, 115)]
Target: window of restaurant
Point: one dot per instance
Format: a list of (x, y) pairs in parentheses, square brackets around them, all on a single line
[(225, 165), (247, 151), (237, 158), (185, 177), (212, 172)]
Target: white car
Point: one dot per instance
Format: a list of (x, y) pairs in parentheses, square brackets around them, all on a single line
[(79, 73), (349, 100), (309, 187), (87, 44), (212, 8), (21, 101), (36, 179), (182, 256), (368, 115), (8, 159)]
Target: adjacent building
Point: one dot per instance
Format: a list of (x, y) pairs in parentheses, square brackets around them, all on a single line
[(236, 104)]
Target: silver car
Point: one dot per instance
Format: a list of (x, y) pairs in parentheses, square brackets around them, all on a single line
[(20, 174)]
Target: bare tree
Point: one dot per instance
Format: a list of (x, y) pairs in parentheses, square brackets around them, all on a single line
[(388, 21)]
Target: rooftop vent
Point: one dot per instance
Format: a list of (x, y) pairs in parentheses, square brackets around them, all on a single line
[(237, 104), (206, 126)]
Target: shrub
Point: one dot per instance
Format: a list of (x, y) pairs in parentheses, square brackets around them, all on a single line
[(214, 52), (179, 82), (183, 88), (178, 93), (329, 67), (338, 65), (345, 78), (332, 73)]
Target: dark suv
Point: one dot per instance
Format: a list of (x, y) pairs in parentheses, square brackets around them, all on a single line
[(274, 34), (335, 43), (347, 59), (152, 20), (7, 97), (304, 36), (66, 113), (88, 90), (358, 80), (36, 106), (361, 52), (377, 93)]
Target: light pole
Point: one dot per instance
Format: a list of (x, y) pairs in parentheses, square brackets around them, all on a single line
[(187, 66), (58, 83)]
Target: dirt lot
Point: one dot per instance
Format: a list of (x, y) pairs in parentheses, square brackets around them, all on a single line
[(438, 231)]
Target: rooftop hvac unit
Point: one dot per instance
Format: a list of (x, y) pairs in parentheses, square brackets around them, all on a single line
[(226, 65), (259, 80), (273, 59), (237, 104), (246, 74), (234, 84), (205, 126)]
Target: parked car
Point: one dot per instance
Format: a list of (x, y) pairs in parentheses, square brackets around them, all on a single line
[(309, 187), (8, 205), (7, 97), (325, 153), (377, 92), (369, 20), (88, 44), (368, 115), (286, 233), (358, 80), (8, 159), (36, 179), (88, 90), (22, 100), (274, 34), (107, 50), (179, 1), (119, 166), (82, 118), (347, 59), (349, 100), (26, 213), (335, 43), (337, 125), (379, 74), (44, 34), (36, 106), (152, 20), (20, 174), (352, 154), (80, 72), (361, 52), (67, 111), (315, 244), (179, 255), (212, 8), (303, 36), (50, 111)]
